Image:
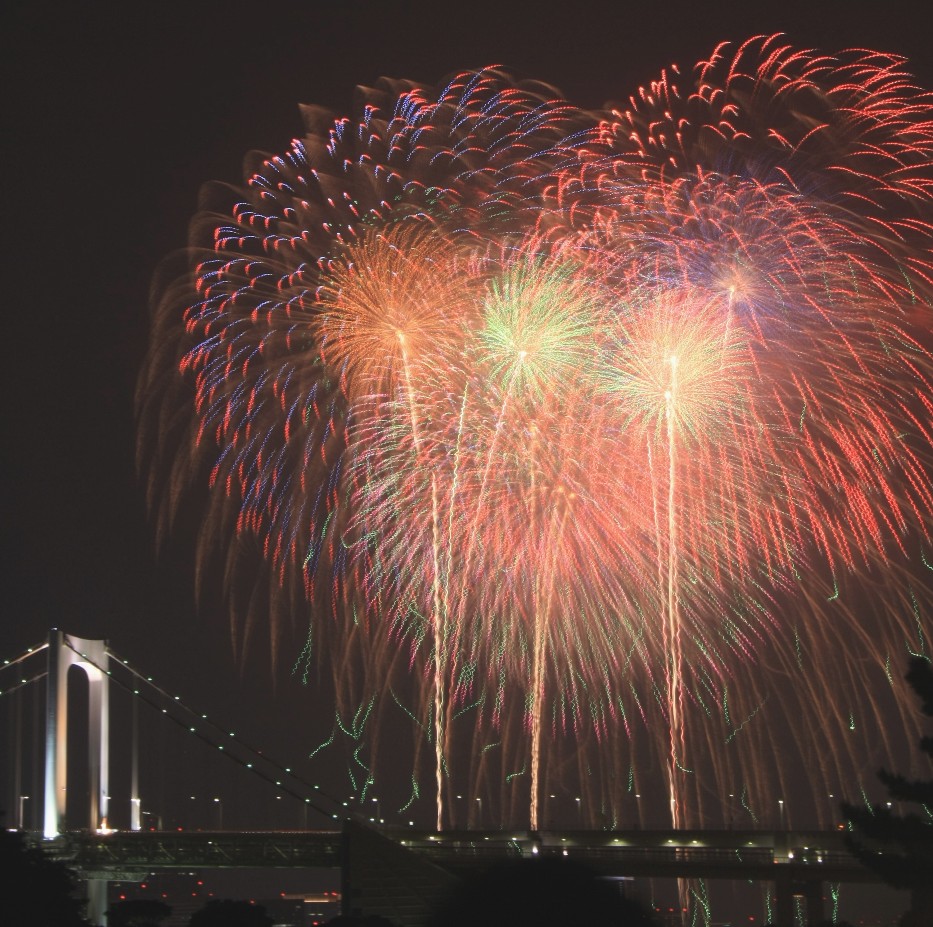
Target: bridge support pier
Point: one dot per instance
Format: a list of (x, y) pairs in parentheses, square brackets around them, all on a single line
[(96, 901), (787, 889)]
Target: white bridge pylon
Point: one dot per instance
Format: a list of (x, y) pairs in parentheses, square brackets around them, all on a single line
[(65, 651)]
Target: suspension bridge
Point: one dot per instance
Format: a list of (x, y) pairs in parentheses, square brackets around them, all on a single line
[(398, 872)]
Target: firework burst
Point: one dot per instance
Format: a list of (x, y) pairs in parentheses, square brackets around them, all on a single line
[(605, 428)]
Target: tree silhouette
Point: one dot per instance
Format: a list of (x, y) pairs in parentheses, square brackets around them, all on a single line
[(542, 892), (899, 848), (366, 920), (38, 890), (227, 913), (138, 912)]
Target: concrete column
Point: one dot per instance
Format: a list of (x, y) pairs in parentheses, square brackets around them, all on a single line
[(786, 889), (135, 803), (813, 893), (784, 903), (56, 740), (97, 901)]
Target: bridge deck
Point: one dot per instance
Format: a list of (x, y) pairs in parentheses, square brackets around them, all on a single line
[(759, 855)]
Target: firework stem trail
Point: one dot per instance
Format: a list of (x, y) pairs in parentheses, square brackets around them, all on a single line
[(541, 618), (442, 599), (673, 634), (438, 625), (537, 701), (440, 644), (672, 623)]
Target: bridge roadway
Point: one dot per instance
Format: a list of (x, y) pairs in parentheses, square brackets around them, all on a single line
[(730, 854), (125, 854), (758, 855)]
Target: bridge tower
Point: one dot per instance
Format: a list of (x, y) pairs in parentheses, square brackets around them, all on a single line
[(65, 651)]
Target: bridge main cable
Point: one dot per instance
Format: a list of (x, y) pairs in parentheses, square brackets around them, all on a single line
[(25, 655)]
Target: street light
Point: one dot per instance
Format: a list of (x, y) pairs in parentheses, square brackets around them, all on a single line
[(479, 816), (22, 798), (220, 813), (104, 825), (781, 810), (155, 822)]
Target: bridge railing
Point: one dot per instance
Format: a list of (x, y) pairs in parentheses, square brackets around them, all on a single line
[(460, 851), (223, 849)]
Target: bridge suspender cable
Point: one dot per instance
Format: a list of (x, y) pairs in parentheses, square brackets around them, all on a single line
[(203, 719)]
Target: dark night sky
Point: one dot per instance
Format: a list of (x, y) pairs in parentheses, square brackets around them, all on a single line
[(114, 114)]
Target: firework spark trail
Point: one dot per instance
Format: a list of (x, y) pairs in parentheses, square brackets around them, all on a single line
[(672, 624), (432, 347)]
